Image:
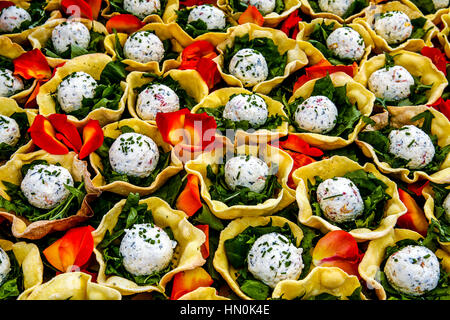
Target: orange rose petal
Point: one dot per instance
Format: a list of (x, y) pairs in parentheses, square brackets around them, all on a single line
[(414, 219), (189, 199), (189, 280), (77, 8), (337, 244), (32, 64), (251, 15), (126, 23)]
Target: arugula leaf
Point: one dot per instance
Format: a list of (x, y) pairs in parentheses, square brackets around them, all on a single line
[(205, 216), (7, 150), (12, 285), (426, 6)]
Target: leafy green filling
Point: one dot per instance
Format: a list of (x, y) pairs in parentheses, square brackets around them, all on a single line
[(442, 224), (12, 285), (95, 45)]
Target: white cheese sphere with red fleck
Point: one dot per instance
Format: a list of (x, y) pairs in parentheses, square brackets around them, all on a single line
[(73, 89), (9, 131), (339, 199), (143, 47), (413, 270), (391, 84), (249, 107), (9, 83), (134, 154), (142, 9), (12, 17), (346, 43), (5, 265), (413, 144), (213, 17), (154, 99), (44, 185), (337, 7), (393, 26), (249, 66), (316, 114), (246, 171), (264, 6), (70, 33)]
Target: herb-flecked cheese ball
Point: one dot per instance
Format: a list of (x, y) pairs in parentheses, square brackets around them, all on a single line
[(73, 89), (264, 6), (134, 154), (70, 33), (142, 8), (9, 131), (44, 185), (249, 107), (346, 43), (12, 17), (154, 99), (246, 171), (249, 66), (5, 265), (413, 144), (393, 26), (340, 200), (213, 17), (392, 84), (337, 7), (413, 270), (317, 114), (143, 47), (273, 258), (146, 249), (9, 83)]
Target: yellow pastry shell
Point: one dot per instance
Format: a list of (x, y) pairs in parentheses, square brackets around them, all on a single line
[(296, 58), (124, 188), (434, 17), (444, 33), (39, 37), (272, 19), (320, 280), (416, 64), (92, 64), (203, 293), (234, 228), (306, 9), (21, 227), (269, 154), (187, 254), (221, 97), (368, 20), (356, 93), (71, 286), (189, 80), (400, 116), (169, 10), (337, 166)]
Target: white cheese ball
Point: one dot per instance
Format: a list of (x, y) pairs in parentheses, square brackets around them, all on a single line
[(249, 66), (9, 83), (346, 43), (9, 131), (439, 4), (264, 6), (5, 265), (73, 89), (272, 259), (70, 33), (338, 7), (413, 270), (142, 9), (44, 185), (154, 99), (143, 47), (339, 199), (246, 171), (393, 26), (250, 107), (446, 205), (12, 17), (146, 249), (413, 144), (134, 154), (392, 84), (316, 114), (213, 17)]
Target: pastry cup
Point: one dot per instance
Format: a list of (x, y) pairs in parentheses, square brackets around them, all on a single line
[(92, 64), (10, 106), (337, 166), (416, 64), (381, 45), (272, 19), (71, 286), (320, 280), (203, 293), (189, 80), (374, 256), (296, 58), (356, 93), (21, 227), (29, 259), (39, 37), (305, 30), (434, 17), (308, 10), (443, 34), (163, 31), (220, 98), (269, 154), (234, 228), (187, 254), (124, 188), (169, 10), (400, 116)]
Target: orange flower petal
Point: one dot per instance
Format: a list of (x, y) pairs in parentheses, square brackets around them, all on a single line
[(44, 136), (51, 253), (251, 15), (92, 138), (67, 129), (414, 218), (76, 8), (205, 246), (189, 280), (171, 125), (334, 245), (189, 199), (350, 267), (32, 64), (126, 23), (295, 143), (95, 7), (200, 129)]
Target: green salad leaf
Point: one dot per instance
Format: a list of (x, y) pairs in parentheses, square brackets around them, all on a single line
[(12, 285)]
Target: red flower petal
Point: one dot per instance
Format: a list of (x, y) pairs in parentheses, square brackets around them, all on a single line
[(77, 8), (296, 144), (209, 72), (189, 199), (438, 58), (44, 136), (32, 64), (126, 23), (6, 4), (70, 134), (92, 138), (290, 25), (443, 106), (251, 15), (171, 125)]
